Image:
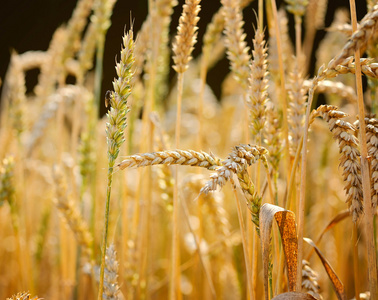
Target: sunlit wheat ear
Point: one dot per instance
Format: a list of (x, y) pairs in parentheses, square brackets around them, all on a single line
[(173, 157), (111, 288), (310, 283), (237, 50), (71, 214), (360, 38), (241, 157), (344, 132), (258, 83), (297, 108), (186, 35)]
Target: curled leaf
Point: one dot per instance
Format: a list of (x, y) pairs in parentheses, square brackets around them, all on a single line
[(286, 223)]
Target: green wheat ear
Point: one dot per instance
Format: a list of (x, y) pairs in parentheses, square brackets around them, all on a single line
[(115, 127)]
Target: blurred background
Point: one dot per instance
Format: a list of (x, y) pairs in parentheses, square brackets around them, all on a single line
[(29, 25)]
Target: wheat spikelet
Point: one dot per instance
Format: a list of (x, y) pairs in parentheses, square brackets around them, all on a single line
[(258, 83), (171, 157), (237, 50), (186, 35), (360, 37), (71, 214), (241, 157), (111, 288), (297, 107), (310, 281), (343, 132)]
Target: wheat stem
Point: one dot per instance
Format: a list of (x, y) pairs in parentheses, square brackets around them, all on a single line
[(369, 213)]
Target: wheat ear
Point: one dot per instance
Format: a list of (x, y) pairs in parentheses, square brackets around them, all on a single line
[(71, 214), (174, 157), (258, 83), (343, 132), (111, 288), (237, 50), (361, 36), (310, 283), (115, 127)]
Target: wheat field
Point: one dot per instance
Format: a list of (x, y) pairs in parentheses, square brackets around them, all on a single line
[(268, 190)]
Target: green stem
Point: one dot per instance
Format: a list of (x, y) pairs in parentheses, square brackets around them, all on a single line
[(105, 237)]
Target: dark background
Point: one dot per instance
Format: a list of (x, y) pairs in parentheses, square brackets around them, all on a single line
[(29, 25)]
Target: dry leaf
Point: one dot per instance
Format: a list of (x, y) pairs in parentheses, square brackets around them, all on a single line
[(294, 296), (286, 223), (336, 282)]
